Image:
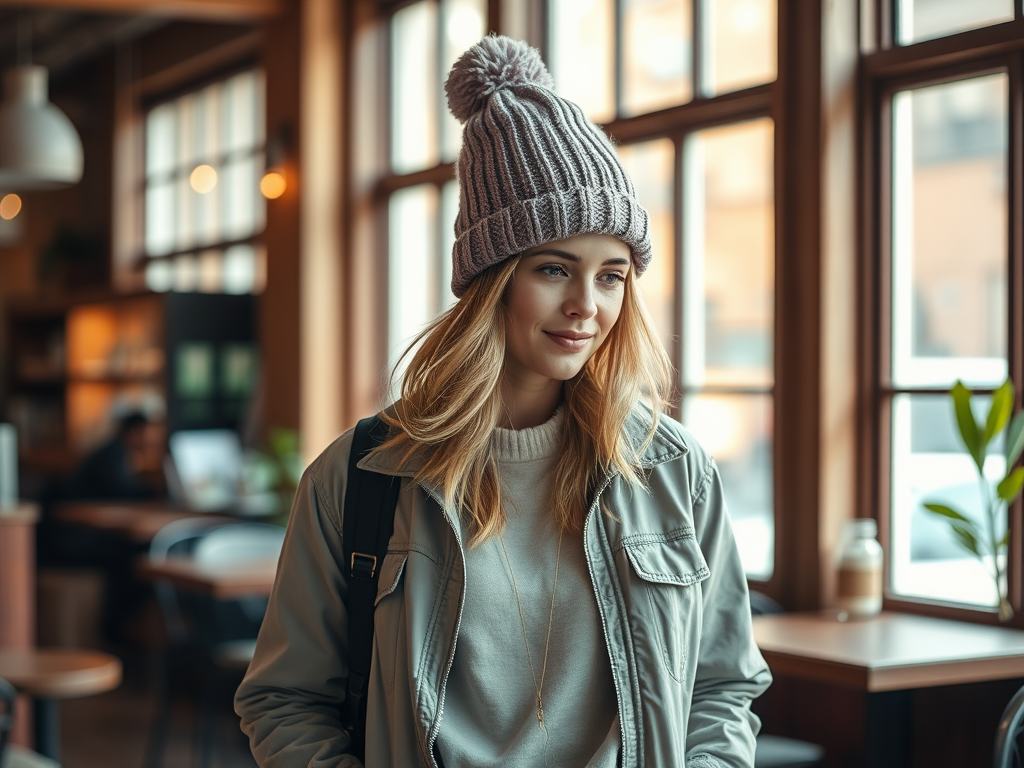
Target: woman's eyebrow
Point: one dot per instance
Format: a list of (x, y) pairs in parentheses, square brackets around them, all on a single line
[(572, 256)]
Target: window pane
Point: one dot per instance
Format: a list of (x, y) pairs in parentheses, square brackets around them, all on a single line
[(929, 464), (651, 165), (240, 269), (206, 126), (949, 257), (657, 55), (240, 198), (729, 259), (737, 431), (415, 91), (581, 54), (161, 138), (239, 110), (160, 275), (464, 23), (211, 268), (413, 266), (741, 37), (160, 218), (928, 19)]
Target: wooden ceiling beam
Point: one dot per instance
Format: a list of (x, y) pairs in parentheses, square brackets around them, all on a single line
[(226, 10)]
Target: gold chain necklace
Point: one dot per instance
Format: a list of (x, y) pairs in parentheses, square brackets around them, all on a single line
[(522, 619)]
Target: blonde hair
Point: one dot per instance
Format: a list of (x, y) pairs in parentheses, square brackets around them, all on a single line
[(451, 403)]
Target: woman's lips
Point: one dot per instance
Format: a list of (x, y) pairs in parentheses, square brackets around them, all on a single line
[(570, 341)]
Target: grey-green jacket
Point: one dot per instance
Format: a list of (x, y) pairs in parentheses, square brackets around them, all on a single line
[(669, 587)]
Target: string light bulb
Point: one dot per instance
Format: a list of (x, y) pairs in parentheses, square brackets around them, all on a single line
[(10, 206), (203, 179), (273, 185)]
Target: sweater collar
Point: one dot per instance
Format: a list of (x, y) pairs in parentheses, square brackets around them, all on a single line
[(665, 445)]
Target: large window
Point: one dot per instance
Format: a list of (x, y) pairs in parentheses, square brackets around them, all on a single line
[(946, 276), (203, 207), (684, 87)]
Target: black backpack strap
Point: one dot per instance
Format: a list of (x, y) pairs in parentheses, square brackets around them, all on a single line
[(370, 500)]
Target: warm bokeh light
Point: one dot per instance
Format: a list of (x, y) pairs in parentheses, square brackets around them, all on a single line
[(203, 179), (10, 206), (273, 185)]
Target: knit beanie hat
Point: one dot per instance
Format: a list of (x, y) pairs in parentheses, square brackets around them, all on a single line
[(532, 168)]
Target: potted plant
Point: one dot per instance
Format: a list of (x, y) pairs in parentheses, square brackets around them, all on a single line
[(982, 542)]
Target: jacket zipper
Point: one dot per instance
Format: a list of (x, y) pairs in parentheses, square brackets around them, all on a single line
[(600, 607), (435, 728)]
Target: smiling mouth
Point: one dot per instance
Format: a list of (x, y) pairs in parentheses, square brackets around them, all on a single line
[(570, 342)]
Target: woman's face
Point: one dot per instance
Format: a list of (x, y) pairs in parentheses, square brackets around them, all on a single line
[(563, 299)]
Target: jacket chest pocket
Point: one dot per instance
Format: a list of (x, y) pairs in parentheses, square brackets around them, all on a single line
[(389, 616), (668, 596)]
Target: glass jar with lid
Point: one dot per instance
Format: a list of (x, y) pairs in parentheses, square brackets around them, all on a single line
[(859, 586)]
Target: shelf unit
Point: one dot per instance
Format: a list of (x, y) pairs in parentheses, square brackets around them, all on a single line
[(187, 360)]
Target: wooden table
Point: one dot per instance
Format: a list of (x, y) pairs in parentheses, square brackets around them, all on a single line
[(57, 673), (222, 582), (136, 520), (888, 657)]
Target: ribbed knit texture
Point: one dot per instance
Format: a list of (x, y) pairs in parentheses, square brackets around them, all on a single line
[(532, 167), (490, 712)]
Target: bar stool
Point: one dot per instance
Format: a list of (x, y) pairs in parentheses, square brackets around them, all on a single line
[(50, 674)]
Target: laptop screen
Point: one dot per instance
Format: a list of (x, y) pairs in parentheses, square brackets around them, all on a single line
[(208, 465)]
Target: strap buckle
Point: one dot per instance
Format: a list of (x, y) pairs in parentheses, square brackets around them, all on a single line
[(366, 566)]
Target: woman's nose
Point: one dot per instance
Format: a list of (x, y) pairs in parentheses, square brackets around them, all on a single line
[(581, 303)]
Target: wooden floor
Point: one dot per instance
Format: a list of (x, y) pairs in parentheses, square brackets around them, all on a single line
[(111, 730)]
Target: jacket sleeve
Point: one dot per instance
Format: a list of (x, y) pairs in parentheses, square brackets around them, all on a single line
[(730, 670), (290, 700)]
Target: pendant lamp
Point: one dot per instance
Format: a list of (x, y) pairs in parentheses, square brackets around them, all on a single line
[(39, 147)]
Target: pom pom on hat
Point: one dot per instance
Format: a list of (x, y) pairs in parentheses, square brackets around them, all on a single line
[(496, 62)]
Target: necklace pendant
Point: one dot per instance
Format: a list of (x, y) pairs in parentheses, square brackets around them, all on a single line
[(540, 718)]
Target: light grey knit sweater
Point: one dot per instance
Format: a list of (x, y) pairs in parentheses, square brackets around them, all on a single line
[(490, 712)]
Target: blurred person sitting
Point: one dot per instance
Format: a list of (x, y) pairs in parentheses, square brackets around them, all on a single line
[(109, 472)]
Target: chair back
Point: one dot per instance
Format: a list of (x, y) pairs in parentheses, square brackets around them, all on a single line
[(193, 619), (1009, 732), (240, 543)]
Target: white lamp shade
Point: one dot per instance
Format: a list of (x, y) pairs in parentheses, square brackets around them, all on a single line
[(39, 147)]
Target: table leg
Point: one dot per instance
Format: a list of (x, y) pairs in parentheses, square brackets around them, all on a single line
[(47, 726), (888, 725)]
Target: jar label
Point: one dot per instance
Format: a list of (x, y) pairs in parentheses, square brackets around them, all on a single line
[(857, 582)]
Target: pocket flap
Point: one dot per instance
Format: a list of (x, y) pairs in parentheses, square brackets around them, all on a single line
[(672, 560), (390, 574)]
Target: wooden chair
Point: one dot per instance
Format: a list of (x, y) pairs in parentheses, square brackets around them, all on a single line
[(217, 637)]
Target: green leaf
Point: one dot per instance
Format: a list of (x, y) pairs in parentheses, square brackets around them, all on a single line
[(968, 426), (967, 538), (1009, 487), (999, 411), (1015, 439), (942, 509)]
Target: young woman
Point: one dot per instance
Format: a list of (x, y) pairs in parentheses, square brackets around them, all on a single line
[(562, 587)]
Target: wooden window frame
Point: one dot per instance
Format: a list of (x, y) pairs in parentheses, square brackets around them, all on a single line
[(885, 71)]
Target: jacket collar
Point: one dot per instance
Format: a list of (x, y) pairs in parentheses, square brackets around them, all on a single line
[(664, 446)]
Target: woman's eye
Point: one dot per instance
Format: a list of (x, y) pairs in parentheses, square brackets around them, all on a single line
[(612, 278), (555, 270)]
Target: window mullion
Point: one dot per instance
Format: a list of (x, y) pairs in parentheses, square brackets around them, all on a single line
[(1015, 352), (698, 49)]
